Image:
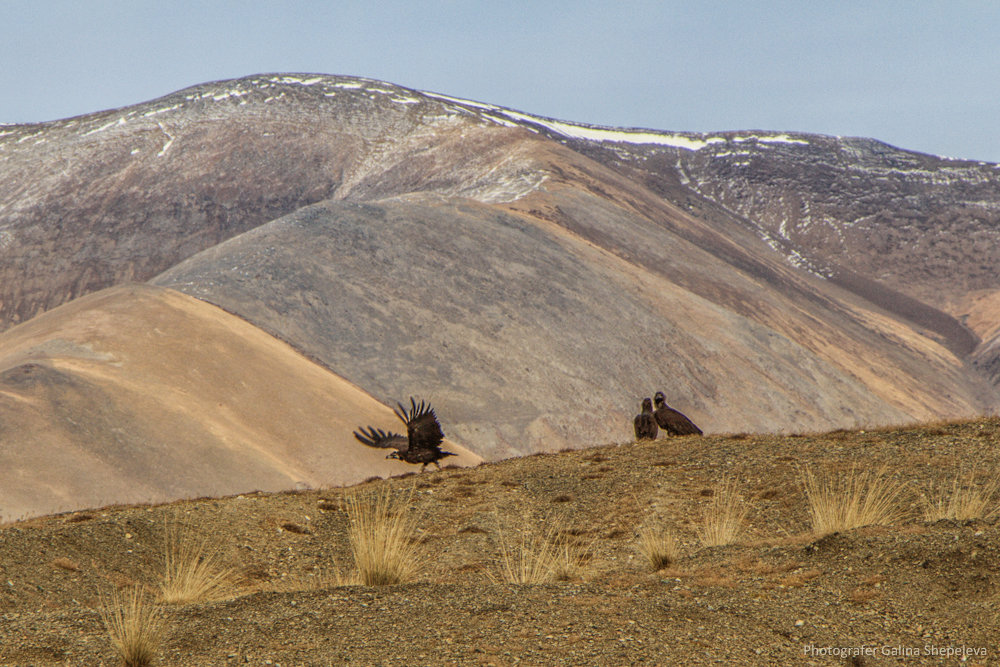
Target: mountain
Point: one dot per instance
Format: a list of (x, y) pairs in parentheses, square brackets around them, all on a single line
[(911, 233), (140, 394), (534, 278)]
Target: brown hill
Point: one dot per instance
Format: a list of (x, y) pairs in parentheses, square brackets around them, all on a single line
[(533, 337), (142, 394), (764, 600), (536, 278)]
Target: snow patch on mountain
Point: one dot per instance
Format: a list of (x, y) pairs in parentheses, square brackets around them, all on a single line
[(770, 139), (602, 134)]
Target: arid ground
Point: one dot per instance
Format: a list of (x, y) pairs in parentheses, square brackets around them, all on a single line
[(912, 592)]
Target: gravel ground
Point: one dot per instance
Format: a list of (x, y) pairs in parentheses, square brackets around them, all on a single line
[(915, 592)]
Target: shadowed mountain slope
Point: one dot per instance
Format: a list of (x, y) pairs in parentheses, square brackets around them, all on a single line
[(141, 394), (532, 336)]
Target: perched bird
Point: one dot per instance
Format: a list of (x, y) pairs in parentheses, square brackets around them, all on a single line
[(645, 422), (422, 442), (672, 421)]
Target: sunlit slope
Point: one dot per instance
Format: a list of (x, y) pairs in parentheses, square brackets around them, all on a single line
[(140, 393)]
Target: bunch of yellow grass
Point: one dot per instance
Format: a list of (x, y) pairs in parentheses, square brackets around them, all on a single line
[(843, 501), (383, 539), (134, 626)]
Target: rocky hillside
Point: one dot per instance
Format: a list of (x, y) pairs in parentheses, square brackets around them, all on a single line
[(763, 600), (533, 278), (914, 234)]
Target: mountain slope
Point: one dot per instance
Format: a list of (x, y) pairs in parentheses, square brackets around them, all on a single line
[(124, 194), (532, 336), (140, 394), (535, 278), (913, 234)]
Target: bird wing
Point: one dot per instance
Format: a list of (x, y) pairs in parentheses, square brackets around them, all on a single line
[(675, 422), (376, 437), (422, 427)]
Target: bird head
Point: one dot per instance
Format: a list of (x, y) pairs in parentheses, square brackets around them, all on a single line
[(647, 405), (392, 455), (659, 398)]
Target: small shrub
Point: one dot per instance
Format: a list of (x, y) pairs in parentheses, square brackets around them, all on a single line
[(193, 569), (383, 539), (134, 626), (537, 559), (566, 563), (724, 516), (527, 562), (966, 500), (852, 500), (658, 546)]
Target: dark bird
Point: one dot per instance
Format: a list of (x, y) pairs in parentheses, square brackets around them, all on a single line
[(672, 421), (422, 442), (645, 422)]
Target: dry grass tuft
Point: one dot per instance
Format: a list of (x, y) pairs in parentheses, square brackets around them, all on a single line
[(851, 500), (383, 538), (194, 570), (713, 579), (724, 516), (537, 559), (965, 500), (567, 563), (530, 561), (134, 626), (658, 546)]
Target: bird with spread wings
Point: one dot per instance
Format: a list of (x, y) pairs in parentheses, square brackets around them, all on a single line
[(422, 442)]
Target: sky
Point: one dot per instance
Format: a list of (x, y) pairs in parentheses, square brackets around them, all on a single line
[(920, 75)]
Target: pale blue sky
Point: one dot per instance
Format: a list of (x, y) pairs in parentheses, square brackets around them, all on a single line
[(918, 74)]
